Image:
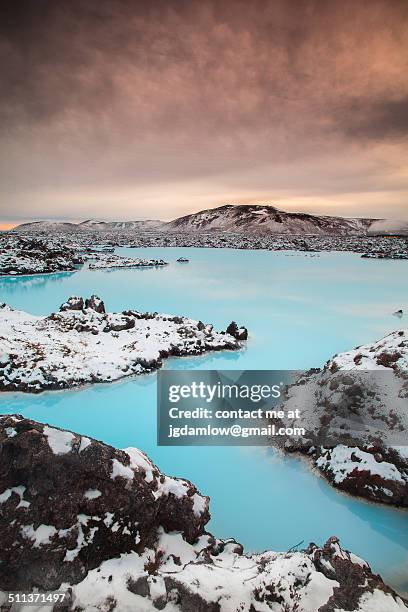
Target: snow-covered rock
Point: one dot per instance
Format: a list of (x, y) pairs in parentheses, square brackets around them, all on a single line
[(114, 533), (389, 352), (105, 261), (240, 333), (355, 414), (83, 505), (84, 344), (20, 255)]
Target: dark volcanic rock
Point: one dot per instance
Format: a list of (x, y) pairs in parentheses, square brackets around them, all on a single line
[(73, 303), (239, 333), (95, 303), (77, 303), (69, 502)]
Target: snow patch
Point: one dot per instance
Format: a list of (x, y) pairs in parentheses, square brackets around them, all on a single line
[(92, 494), (59, 441), (41, 536), (118, 469)]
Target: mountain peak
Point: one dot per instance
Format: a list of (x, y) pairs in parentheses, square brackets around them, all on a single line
[(266, 219)]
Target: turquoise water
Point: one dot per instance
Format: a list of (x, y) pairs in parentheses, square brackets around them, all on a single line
[(299, 311)]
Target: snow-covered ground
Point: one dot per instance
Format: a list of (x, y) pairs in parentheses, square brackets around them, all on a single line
[(83, 344), (230, 581), (388, 352)]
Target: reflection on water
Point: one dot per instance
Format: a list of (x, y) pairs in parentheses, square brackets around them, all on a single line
[(299, 311), (11, 285)]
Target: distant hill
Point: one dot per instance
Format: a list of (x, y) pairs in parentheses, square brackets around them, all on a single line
[(239, 218), (46, 226), (90, 224), (149, 224), (259, 219)]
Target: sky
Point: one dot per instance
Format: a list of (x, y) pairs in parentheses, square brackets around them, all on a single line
[(128, 109)]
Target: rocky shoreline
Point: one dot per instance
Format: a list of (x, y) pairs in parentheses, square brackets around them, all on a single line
[(84, 344), (114, 533), (30, 255), (354, 409), (376, 247), (45, 252)]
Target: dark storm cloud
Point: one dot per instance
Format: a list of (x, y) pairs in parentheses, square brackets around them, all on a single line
[(62, 56), (378, 120), (132, 94)]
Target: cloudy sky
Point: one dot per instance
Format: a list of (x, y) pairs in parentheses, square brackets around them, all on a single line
[(128, 109)]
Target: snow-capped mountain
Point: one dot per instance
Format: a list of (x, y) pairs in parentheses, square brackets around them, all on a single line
[(248, 219), (262, 219), (46, 226), (90, 224), (148, 224)]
